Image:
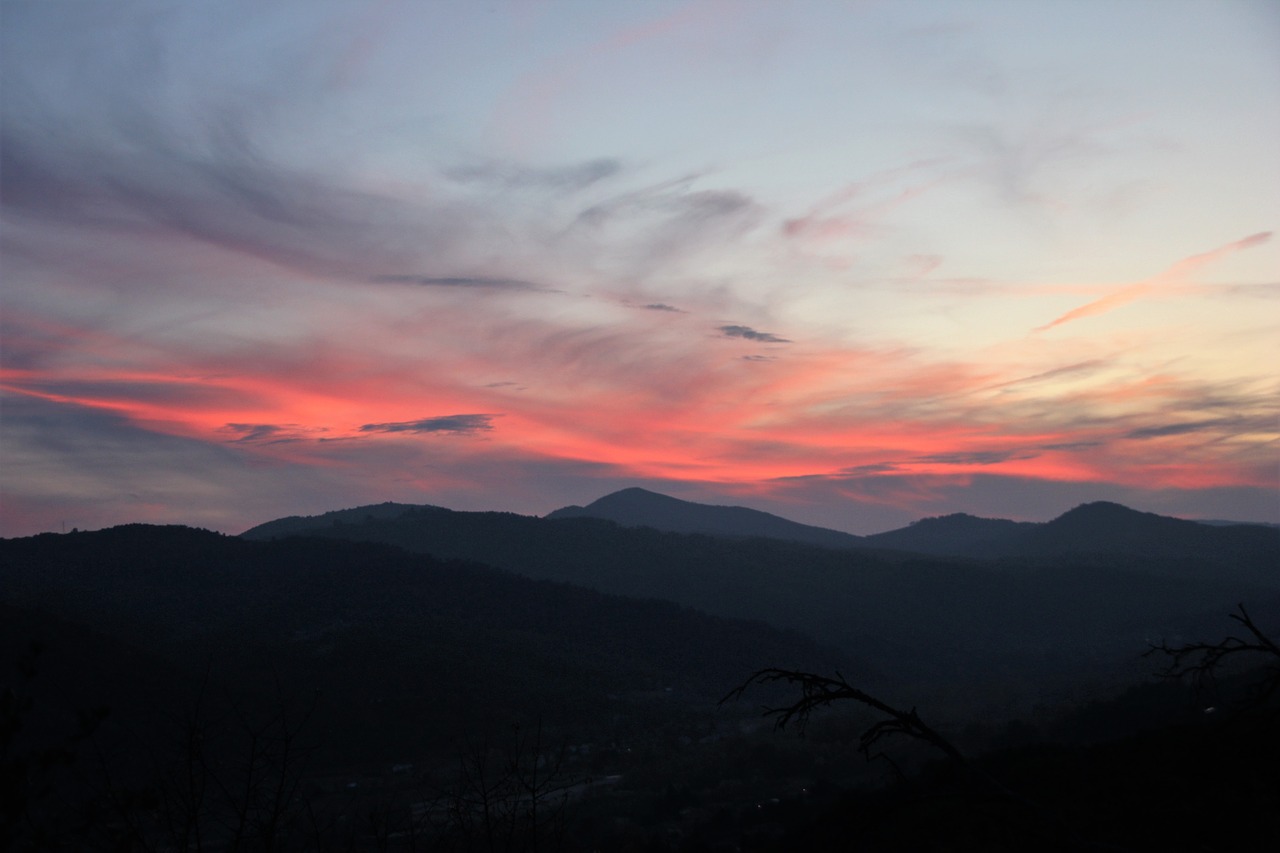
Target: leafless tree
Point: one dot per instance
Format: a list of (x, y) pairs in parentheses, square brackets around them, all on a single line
[(1202, 660), (819, 691), (224, 779), (510, 796), (977, 786)]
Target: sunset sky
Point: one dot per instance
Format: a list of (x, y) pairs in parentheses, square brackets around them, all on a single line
[(850, 262)]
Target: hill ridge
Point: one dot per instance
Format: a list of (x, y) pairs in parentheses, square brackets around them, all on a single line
[(638, 507)]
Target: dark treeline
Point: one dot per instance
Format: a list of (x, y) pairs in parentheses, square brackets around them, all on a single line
[(1007, 630), (169, 688)]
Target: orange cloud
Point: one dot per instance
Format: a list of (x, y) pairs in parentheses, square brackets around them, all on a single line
[(1172, 275)]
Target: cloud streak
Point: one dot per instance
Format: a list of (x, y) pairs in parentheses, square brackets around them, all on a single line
[(452, 424), (478, 282), (1172, 275), (750, 334)]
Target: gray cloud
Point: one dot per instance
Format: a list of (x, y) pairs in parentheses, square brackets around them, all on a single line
[(662, 306), (976, 457), (254, 432), (133, 173), (459, 281), (460, 424), (750, 334), (192, 393), (1079, 367), (670, 199), (867, 470), (270, 433), (1182, 428), (1071, 445), (515, 176)]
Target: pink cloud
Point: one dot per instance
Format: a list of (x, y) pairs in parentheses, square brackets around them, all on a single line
[(1173, 275)]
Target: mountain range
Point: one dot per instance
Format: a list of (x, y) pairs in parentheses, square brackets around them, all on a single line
[(636, 507), (978, 601), (1094, 528), (1093, 531), (395, 633)]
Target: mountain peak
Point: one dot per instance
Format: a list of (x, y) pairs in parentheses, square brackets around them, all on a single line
[(638, 507), (635, 495), (1101, 517), (958, 533), (1102, 509)]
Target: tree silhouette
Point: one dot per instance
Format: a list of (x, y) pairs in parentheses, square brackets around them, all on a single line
[(508, 796), (818, 691), (1018, 814), (1202, 660)]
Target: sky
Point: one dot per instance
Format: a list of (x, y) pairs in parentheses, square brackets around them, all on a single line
[(854, 263)]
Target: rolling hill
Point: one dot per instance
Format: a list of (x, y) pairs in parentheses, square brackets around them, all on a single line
[(637, 507), (1028, 623)]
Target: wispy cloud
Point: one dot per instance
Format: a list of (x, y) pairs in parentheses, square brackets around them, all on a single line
[(517, 176), (460, 424), (256, 432), (1173, 274), (1212, 426), (750, 334), (976, 457), (279, 264), (676, 200), (480, 282)]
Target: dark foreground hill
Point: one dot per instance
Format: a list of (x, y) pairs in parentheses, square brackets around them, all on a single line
[(1006, 629), (406, 650), (298, 694)]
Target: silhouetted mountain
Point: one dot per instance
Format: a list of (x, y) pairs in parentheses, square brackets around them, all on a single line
[(636, 507), (405, 649), (956, 535), (1103, 531), (295, 524), (1104, 527), (1017, 624), (213, 650)]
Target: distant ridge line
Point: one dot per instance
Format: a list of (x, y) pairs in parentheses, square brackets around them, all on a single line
[(637, 507), (1099, 528)]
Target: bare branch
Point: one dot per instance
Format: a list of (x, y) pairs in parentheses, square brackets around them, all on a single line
[(818, 691), (1202, 660)]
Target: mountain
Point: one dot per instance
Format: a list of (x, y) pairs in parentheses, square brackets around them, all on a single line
[(1102, 531), (1016, 625), (172, 688), (1105, 527), (956, 535), (405, 650), (298, 524), (636, 507), (342, 673)]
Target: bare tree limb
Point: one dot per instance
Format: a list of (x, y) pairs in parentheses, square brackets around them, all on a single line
[(818, 691), (1202, 660)]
